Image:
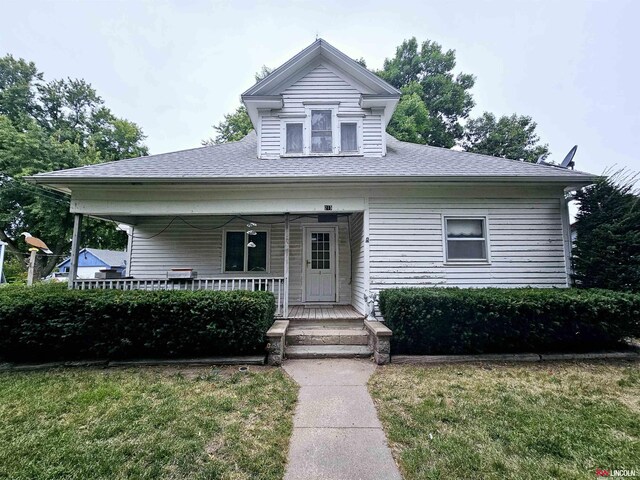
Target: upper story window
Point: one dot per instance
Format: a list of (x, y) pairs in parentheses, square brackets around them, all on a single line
[(321, 132), (294, 138), (349, 137)]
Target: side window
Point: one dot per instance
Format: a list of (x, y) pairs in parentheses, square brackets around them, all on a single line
[(348, 137), (466, 239), (294, 140)]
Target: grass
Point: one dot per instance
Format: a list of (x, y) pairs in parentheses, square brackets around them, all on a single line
[(145, 424), (560, 420)]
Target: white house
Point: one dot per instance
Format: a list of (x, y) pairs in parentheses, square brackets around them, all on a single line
[(341, 209)]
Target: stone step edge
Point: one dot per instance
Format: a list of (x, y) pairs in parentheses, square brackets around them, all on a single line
[(320, 332), (327, 351)]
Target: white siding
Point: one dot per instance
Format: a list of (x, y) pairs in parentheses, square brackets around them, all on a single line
[(198, 244), (372, 135), (269, 137), (322, 84), (406, 240), (525, 242), (357, 264)]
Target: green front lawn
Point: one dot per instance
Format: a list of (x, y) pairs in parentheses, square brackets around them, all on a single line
[(145, 423), (561, 420)]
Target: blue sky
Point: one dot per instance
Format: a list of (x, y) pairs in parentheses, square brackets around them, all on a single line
[(175, 67)]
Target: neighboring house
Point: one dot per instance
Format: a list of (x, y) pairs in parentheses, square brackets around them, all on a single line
[(92, 260), (341, 209)]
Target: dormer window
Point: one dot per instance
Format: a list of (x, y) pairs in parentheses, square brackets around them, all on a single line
[(294, 138), (321, 131), (349, 137)]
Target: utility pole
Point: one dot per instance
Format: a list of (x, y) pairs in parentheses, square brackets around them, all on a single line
[(32, 266)]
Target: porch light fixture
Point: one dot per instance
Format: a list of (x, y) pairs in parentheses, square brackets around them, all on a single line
[(251, 225), (251, 245)]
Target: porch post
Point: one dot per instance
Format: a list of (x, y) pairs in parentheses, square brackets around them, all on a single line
[(75, 249), (285, 306)]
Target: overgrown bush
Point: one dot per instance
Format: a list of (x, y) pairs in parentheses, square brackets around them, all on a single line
[(456, 321), (50, 322)]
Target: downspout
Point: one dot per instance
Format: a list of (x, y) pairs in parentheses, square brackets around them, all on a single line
[(566, 234)]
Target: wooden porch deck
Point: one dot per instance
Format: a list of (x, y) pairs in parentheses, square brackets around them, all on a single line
[(324, 312)]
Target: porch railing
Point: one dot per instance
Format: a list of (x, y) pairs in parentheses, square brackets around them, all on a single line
[(274, 285)]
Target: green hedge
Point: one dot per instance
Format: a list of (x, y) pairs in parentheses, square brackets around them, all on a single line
[(455, 321), (51, 323)]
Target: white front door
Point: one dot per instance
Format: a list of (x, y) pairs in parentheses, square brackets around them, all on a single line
[(320, 269)]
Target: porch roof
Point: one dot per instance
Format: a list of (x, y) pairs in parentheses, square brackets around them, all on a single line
[(236, 162)]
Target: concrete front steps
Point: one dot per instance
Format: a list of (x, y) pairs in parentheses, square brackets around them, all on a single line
[(328, 338), (335, 338)]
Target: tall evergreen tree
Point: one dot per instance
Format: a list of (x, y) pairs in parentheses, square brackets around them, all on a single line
[(607, 248)]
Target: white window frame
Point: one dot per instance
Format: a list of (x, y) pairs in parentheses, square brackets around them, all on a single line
[(336, 121), (485, 233), (247, 237), (283, 136), (358, 122), (335, 134)]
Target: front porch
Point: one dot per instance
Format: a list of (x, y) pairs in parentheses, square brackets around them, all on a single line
[(313, 263)]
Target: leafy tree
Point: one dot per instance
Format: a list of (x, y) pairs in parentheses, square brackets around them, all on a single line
[(446, 96), (235, 126), (607, 248), (51, 126), (411, 119), (18, 83), (509, 137), (434, 105), (263, 73)]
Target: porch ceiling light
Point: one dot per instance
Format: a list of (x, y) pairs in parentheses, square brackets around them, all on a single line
[(252, 232), (251, 245)]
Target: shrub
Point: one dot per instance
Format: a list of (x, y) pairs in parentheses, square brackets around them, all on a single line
[(455, 321), (51, 323)]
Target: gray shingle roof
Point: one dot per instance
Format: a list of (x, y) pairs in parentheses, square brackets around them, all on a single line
[(237, 162), (113, 258)]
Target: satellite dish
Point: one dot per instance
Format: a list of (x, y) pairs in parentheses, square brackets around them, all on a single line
[(568, 160), (540, 159)]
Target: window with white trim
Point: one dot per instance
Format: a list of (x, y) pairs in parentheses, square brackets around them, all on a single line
[(239, 257), (321, 131), (349, 137), (466, 239), (294, 142)]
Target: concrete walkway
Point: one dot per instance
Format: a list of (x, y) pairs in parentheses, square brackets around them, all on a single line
[(336, 431)]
